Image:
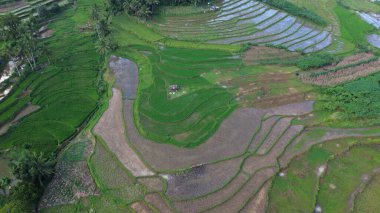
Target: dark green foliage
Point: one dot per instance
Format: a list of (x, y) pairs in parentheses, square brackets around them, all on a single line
[(33, 168), (315, 61), (297, 11), (359, 99), (22, 198)]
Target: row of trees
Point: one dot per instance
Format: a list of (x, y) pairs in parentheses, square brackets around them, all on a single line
[(101, 21)]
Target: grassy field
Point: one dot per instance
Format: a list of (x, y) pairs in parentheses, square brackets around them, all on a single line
[(347, 19), (303, 185)]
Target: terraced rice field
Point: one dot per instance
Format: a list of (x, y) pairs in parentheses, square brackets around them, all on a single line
[(30, 7), (247, 21), (189, 126), (221, 179)]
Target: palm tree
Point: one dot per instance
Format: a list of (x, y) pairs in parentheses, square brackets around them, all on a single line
[(32, 167), (104, 46), (42, 166)]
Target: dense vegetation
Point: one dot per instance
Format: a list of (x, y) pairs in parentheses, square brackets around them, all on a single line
[(32, 171), (297, 11), (315, 61), (355, 101)]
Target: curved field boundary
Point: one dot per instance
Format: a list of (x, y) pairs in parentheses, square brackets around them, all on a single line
[(158, 203), (259, 201), (111, 128), (273, 27), (202, 180), (299, 146)]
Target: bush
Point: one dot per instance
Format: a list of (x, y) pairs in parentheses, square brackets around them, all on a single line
[(315, 61)]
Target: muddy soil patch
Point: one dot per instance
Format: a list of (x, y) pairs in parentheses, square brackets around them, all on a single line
[(265, 129), (238, 201), (141, 207), (111, 128), (277, 130), (159, 203), (259, 202), (278, 100), (231, 139), (256, 55), (206, 202), (154, 184), (202, 179), (126, 76)]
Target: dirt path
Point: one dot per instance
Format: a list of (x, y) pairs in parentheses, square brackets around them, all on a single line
[(26, 111), (111, 128)]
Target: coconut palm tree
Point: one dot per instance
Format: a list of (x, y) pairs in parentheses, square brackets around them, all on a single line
[(32, 167)]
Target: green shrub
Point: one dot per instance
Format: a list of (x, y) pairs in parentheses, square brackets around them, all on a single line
[(315, 61)]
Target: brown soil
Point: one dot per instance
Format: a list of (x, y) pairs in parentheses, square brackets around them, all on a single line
[(254, 163), (154, 184), (354, 59), (274, 135), (259, 201), (47, 34), (26, 111), (278, 100), (202, 179), (256, 54), (253, 185), (292, 109), (141, 207), (342, 75), (111, 128), (206, 202), (266, 127), (274, 77), (157, 201), (229, 140)]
